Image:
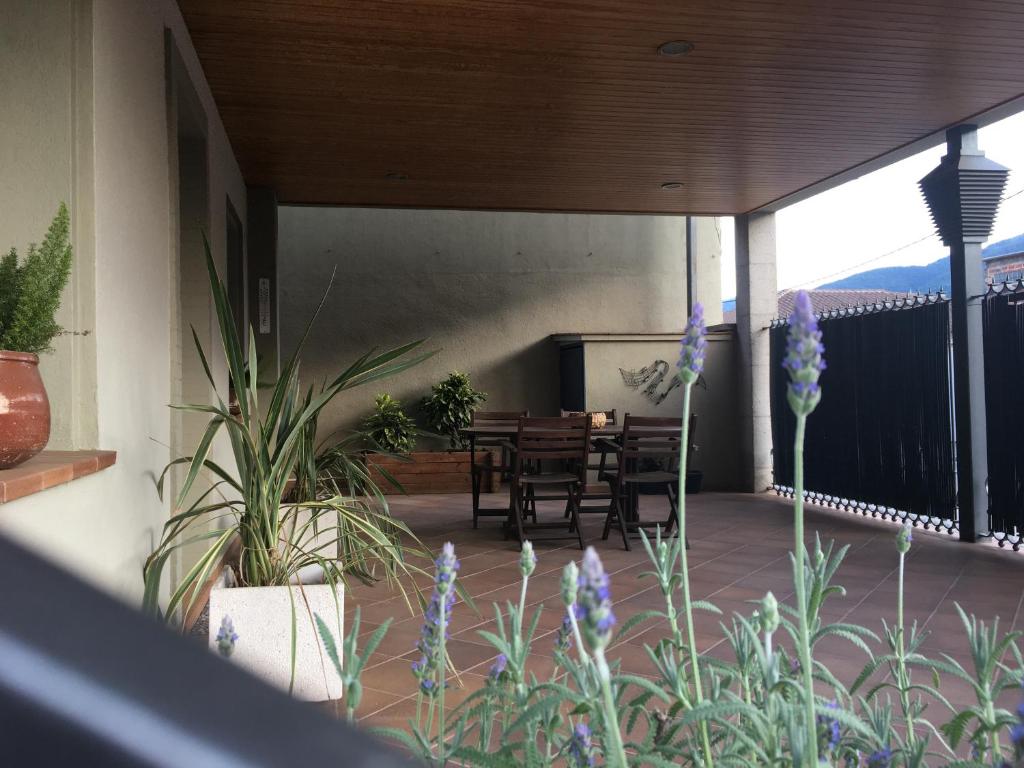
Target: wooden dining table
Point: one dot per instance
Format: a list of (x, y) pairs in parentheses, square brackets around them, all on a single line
[(509, 432)]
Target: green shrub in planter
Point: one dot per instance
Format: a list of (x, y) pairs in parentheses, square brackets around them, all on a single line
[(389, 428), (450, 406)]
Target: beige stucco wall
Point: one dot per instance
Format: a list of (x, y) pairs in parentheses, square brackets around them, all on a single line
[(713, 398), (45, 54), (486, 289), (102, 527)]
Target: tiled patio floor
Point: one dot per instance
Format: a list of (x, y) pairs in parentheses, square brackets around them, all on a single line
[(740, 547)]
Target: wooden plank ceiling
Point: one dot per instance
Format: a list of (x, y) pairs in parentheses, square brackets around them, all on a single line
[(566, 104)]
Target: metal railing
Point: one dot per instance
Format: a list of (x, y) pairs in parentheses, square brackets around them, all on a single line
[(1003, 313), (882, 440)]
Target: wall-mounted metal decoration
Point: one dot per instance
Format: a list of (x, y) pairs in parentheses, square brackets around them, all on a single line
[(652, 375)]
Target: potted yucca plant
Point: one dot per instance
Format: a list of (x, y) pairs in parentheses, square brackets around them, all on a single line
[(30, 291), (290, 524)]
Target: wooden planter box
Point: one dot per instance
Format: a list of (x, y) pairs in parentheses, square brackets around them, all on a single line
[(433, 472)]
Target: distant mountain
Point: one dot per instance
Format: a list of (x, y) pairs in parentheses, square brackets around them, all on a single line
[(929, 277)]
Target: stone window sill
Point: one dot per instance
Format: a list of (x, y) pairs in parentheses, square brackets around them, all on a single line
[(51, 468)]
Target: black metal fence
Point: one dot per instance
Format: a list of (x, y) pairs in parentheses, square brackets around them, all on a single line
[(881, 442), (1004, 407)]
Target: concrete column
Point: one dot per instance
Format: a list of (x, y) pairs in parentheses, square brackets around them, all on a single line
[(706, 266), (968, 283), (261, 267), (756, 306)]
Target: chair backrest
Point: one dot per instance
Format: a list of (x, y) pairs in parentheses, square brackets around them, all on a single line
[(496, 418), (541, 438), (611, 417), (651, 438)]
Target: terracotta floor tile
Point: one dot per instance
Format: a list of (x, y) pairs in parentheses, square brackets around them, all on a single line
[(739, 551)]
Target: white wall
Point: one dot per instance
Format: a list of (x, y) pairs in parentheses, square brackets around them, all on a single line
[(102, 527), (487, 289)]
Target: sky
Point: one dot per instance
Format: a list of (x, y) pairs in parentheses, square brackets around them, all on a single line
[(857, 226)]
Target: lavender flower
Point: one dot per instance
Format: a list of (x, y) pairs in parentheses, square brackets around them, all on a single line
[(436, 617), (769, 613), (831, 727), (500, 662), (594, 601), (570, 584), (527, 560), (803, 357), (226, 637), (692, 346), (903, 539), (1017, 731), (580, 747), (563, 638), (880, 759)]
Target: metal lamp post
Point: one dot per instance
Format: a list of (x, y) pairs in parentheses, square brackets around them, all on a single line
[(963, 195)]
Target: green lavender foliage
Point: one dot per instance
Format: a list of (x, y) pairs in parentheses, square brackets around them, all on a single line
[(753, 702), (30, 289), (450, 405), (389, 428)]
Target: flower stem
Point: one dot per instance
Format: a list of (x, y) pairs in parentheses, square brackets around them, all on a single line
[(904, 678), (801, 603), (685, 571), (442, 758), (615, 752)]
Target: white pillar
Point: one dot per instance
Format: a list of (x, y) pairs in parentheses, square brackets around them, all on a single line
[(756, 306)]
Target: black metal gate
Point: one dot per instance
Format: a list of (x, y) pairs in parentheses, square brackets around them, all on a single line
[(881, 442), (1004, 408)]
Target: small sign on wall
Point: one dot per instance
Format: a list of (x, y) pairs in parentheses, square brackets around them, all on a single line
[(263, 302)]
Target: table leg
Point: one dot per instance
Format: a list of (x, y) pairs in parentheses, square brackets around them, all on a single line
[(474, 473)]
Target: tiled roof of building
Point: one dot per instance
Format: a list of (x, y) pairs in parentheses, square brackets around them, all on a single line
[(824, 300)]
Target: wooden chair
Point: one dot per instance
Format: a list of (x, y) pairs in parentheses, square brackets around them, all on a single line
[(644, 441), (596, 493), (550, 453), (508, 419)]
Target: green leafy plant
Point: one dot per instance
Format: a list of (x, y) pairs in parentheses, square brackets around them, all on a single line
[(30, 290), (389, 428), (450, 406), (341, 533)]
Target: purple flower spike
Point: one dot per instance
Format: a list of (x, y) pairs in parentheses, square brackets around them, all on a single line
[(498, 667), (226, 637), (803, 357), (563, 639), (580, 747), (594, 601), (692, 346), (880, 759), (436, 619), (831, 727)]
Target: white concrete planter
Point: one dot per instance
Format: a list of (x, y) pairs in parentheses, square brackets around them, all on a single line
[(263, 621)]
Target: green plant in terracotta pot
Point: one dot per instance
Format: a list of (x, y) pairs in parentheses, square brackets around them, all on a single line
[(30, 291)]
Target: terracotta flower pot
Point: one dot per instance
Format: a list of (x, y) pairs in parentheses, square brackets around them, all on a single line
[(24, 409)]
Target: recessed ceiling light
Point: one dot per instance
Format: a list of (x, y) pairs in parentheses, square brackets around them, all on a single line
[(672, 185), (675, 48)]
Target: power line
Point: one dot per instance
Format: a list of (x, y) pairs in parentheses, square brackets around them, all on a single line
[(873, 259)]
